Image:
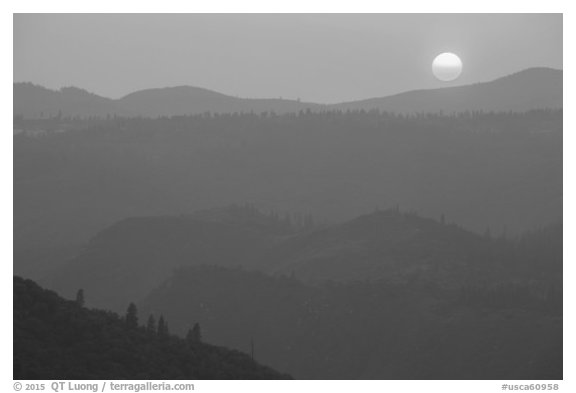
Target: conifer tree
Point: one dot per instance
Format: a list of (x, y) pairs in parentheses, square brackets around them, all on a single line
[(151, 324), (132, 317), (80, 297), (162, 327), (194, 335)]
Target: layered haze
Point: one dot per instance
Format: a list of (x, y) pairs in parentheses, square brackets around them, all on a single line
[(287, 196)]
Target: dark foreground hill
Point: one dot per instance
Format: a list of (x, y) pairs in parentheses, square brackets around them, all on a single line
[(372, 329), (59, 339)]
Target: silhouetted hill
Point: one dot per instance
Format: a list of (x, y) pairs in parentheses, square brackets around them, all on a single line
[(187, 100), (372, 329), (405, 247), (393, 245), (127, 260), (59, 339), (123, 262), (170, 101), (390, 244), (33, 101), (534, 88)]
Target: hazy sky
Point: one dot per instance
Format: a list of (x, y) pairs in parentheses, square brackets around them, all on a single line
[(315, 57)]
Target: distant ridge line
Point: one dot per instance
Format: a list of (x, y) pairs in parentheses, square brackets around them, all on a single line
[(533, 88)]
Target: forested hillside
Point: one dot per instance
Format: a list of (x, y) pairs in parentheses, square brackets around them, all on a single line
[(385, 329), (60, 339), (387, 295), (124, 262)]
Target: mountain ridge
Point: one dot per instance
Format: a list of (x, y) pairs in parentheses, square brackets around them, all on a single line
[(532, 88), (124, 261), (504, 94)]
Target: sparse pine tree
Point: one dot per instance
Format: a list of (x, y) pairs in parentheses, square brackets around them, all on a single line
[(151, 324), (196, 335), (162, 327), (132, 317), (193, 336), (80, 297), (190, 336)]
